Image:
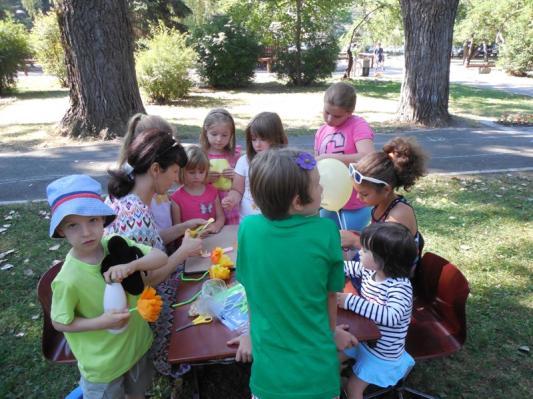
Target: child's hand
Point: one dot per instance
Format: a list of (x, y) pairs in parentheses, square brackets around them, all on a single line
[(344, 339), (117, 273), (193, 223), (244, 353), (349, 239), (213, 176), (229, 202), (211, 229), (115, 319), (191, 246), (229, 173), (341, 299)]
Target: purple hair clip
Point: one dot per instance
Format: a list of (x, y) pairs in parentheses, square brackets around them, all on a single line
[(306, 161)]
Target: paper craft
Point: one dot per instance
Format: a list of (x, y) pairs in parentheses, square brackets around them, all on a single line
[(227, 237)]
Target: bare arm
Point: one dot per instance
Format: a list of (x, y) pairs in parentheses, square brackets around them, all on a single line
[(234, 197), (189, 247), (115, 319), (363, 147), (151, 261), (220, 219)]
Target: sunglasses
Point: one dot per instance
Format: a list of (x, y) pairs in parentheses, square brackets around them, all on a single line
[(359, 177)]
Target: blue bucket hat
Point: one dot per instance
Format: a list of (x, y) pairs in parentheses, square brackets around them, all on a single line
[(76, 195)]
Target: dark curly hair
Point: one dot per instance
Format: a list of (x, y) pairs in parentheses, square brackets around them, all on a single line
[(401, 163), (148, 147), (393, 247)]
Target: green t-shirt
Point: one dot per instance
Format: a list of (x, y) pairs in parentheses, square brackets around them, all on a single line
[(287, 268), (78, 291)]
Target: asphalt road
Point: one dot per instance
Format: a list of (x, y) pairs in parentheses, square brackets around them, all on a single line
[(24, 176)]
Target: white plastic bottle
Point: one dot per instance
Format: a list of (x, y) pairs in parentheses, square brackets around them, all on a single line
[(115, 299)]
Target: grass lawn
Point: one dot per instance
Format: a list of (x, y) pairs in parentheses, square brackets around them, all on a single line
[(481, 224)]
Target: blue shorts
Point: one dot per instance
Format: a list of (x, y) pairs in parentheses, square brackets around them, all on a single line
[(352, 219), (376, 371)]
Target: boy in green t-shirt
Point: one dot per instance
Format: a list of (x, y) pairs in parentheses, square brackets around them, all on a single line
[(111, 365), (290, 263)]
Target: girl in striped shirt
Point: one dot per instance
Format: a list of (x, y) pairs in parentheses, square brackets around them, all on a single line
[(387, 254)]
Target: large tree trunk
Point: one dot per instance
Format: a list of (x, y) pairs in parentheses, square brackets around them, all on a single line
[(428, 27), (103, 87)]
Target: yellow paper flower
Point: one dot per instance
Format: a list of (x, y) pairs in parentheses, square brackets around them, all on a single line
[(149, 305), (218, 271), (225, 261)]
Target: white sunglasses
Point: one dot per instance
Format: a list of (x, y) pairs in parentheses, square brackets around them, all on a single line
[(359, 177)]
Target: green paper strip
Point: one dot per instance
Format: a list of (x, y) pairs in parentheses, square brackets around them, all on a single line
[(192, 299)]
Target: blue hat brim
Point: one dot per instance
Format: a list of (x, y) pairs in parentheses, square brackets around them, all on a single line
[(80, 207)]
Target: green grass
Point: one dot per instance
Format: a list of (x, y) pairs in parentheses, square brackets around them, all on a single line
[(481, 224)]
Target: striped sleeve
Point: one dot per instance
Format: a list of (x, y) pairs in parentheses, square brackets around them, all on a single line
[(353, 268), (390, 314)]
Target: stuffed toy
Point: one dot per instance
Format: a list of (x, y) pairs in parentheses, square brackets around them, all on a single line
[(119, 252)]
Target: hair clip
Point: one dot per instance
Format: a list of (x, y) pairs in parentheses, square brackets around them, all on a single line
[(128, 169), (306, 161)]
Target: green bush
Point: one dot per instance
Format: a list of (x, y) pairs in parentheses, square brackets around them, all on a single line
[(162, 65), (318, 60), (227, 53), (14, 48), (45, 40), (516, 55)]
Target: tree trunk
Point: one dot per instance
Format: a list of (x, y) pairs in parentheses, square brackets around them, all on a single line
[(98, 45), (428, 27), (298, 40)]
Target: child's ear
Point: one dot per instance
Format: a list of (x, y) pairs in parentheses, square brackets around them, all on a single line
[(296, 204), (155, 168), (60, 232)]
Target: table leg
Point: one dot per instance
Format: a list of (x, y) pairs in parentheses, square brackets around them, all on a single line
[(196, 385)]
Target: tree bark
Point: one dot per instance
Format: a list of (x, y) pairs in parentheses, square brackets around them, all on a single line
[(428, 27), (97, 38)]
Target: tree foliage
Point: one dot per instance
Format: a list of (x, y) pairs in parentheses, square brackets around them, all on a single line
[(14, 49), (163, 64), (227, 52), (147, 13), (45, 39)]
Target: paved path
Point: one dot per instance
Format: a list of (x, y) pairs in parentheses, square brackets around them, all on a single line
[(24, 176)]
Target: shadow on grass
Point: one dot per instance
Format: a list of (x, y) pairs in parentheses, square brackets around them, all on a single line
[(278, 87), (40, 94), (199, 101), (487, 102), (23, 137)]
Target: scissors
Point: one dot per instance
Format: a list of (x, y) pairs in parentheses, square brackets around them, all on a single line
[(202, 319)]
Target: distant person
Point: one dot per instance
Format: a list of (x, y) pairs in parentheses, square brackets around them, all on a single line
[(379, 57)]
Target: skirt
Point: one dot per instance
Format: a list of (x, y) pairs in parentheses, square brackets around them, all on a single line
[(373, 370)]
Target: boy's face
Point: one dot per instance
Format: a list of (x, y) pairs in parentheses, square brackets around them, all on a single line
[(315, 192), (334, 115), (82, 232)]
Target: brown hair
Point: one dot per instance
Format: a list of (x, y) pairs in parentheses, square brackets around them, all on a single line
[(267, 126), (147, 148), (218, 115), (341, 95), (393, 247), (276, 179), (401, 163), (139, 123), (196, 159)]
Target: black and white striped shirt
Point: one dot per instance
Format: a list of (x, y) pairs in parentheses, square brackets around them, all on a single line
[(388, 303)]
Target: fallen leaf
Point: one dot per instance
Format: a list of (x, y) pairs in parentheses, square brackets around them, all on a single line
[(452, 217), (8, 217), (35, 317), (465, 247), (26, 260), (4, 254), (2, 229), (55, 262), (6, 225), (28, 272), (20, 334), (11, 212), (524, 349), (7, 266), (54, 248)]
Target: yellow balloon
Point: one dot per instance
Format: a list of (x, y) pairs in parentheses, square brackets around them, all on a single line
[(337, 183), (218, 165)]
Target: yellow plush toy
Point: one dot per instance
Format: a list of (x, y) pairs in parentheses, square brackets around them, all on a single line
[(218, 166)]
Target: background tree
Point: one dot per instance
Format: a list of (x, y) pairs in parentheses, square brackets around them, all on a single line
[(97, 39), (428, 27), (14, 49), (146, 13)]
